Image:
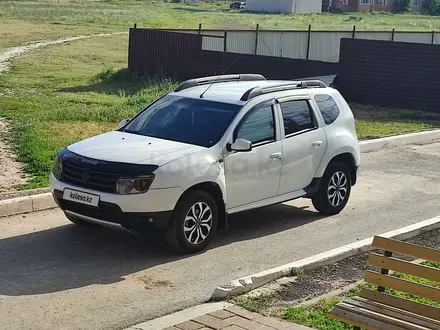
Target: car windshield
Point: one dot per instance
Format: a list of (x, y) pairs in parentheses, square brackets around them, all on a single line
[(186, 120)]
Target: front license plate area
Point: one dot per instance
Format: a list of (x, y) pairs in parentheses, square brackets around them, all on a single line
[(81, 197)]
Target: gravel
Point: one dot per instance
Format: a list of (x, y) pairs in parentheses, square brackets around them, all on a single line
[(338, 276)]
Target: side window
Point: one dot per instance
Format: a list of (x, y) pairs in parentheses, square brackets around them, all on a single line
[(328, 107), (297, 116), (258, 127)]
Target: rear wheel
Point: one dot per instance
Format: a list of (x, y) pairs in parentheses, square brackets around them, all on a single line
[(193, 224), (334, 190)]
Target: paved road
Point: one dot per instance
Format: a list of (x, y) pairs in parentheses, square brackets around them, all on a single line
[(54, 275)]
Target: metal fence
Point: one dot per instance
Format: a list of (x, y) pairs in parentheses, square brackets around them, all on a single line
[(181, 54), (308, 44), (394, 74)]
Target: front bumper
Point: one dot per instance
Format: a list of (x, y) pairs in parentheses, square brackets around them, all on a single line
[(133, 212), (112, 214)]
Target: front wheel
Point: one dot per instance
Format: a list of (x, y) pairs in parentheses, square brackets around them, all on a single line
[(193, 224), (334, 190)]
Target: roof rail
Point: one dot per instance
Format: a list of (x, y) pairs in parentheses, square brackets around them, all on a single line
[(218, 79), (256, 91)]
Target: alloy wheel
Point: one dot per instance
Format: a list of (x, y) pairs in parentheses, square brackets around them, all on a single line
[(198, 223), (337, 189)]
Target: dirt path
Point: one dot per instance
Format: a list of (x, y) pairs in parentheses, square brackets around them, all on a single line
[(11, 172), (10, 53)]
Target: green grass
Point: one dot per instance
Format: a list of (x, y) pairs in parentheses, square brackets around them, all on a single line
[(25, 20), (374, 121), (69, 92), (315, 315)]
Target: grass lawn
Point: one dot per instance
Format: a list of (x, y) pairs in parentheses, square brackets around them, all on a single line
[(18, 32), (64, 93), (373, 122), (26, 20), (315, 315)]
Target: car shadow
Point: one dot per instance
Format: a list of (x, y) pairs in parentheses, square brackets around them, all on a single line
[(71, 256)]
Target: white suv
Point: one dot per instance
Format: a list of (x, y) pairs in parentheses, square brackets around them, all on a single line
[(213, 147)]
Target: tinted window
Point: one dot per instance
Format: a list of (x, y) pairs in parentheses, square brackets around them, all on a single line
[(186, 120), (258, 127), (328, 107), (297, 116)]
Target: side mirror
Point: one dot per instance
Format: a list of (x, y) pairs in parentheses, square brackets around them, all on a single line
[(123, 122), (241, 145)]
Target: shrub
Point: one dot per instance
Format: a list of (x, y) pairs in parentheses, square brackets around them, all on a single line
[(402, 6), (431, 7)]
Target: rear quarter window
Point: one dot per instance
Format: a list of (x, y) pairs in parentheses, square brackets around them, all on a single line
[(328, 108)]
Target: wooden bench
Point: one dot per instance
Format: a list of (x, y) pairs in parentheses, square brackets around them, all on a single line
[(380, 310)]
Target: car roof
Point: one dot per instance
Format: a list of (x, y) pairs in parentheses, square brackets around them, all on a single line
[(231, 92)]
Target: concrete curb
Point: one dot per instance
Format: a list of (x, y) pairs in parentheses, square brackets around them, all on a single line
[(251, 282), (179, 317), (400, 140), (26, 204), (45, 201)]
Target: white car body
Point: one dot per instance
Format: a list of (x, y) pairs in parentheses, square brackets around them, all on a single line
[(275, 172)]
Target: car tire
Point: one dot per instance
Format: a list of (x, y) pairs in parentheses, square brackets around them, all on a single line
[(334, 189), (193, 223), (78, 221)]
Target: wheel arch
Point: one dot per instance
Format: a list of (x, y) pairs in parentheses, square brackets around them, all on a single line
[(215, 191), (348, 160)]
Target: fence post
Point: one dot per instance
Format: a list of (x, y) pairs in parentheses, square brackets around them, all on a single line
[(354, 32), (225, 48), (256, 38), (200, 28), (308, 41), (392, 35), (135, 25), (432, 37)]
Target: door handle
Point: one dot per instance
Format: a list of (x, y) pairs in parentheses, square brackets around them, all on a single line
[(317, 144), (276, 156)]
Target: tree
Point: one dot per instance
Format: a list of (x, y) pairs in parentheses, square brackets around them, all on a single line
[(402, 6), (431, 7)]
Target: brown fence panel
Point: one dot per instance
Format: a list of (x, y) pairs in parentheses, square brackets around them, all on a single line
[(395, 74), (155, 51), (181, 54)]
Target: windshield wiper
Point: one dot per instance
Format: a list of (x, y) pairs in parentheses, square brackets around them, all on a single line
[(132, 132)]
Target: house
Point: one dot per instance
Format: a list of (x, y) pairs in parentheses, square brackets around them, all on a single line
[(285, 6), (367, 5)]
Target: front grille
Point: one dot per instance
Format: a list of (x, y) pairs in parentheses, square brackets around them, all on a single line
[(89, 178)]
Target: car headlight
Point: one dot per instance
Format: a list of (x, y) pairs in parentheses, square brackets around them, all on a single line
[(136, 185), (57, 167)]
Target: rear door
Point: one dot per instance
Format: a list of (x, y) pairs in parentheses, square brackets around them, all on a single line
[(303, 142)]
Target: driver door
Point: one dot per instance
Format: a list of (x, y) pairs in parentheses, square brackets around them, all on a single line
[(254, 175)]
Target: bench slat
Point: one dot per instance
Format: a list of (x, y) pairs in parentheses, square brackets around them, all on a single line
[(402, 303), (395, 283), (405, 267), (393, 312), (376, 320), (357, 320), (408, 249)]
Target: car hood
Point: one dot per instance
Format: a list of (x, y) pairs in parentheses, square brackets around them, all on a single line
[(130, 148)]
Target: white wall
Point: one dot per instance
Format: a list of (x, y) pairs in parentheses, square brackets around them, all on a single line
[(285, 6), (308, 6), (271, 6), (324, 46)]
